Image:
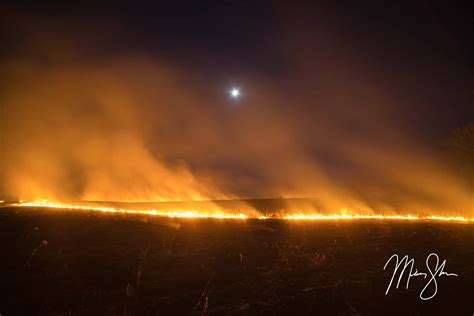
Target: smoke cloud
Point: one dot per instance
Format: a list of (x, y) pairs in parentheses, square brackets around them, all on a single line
[(82, 124)]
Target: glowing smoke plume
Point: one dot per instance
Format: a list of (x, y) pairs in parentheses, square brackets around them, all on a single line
[(136, 127)]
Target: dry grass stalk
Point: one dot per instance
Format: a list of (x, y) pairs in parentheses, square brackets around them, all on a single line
[(43, 243)]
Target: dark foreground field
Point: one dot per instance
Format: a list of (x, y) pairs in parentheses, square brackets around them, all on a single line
[(104, 264)]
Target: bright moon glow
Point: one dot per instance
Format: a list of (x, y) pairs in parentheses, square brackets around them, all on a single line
[(234, 93)]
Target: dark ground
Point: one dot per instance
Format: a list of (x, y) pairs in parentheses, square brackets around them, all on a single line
[(104, 264)]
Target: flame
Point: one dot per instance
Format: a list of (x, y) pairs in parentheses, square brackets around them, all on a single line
[(382, 217), (177, 214), (218, 214)]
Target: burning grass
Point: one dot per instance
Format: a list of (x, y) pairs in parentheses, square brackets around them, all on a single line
[(221, 213)]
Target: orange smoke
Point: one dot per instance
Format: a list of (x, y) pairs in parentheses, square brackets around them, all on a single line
[(136, 127)]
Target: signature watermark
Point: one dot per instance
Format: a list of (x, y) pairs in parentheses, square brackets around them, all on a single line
[(433, 271)]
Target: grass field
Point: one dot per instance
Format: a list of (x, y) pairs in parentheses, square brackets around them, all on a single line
[(83, 263)]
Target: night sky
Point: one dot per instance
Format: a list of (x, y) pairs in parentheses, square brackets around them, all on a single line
[(350, 103)]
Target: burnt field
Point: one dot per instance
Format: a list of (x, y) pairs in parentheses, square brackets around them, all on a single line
[(88, 263)]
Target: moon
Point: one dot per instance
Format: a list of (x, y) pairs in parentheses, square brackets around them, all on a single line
[(234, 93)]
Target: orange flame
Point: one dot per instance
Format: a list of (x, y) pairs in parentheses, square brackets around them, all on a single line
[(222, 215)]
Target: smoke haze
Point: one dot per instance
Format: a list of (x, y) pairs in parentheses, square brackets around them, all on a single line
[(86, 121)]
